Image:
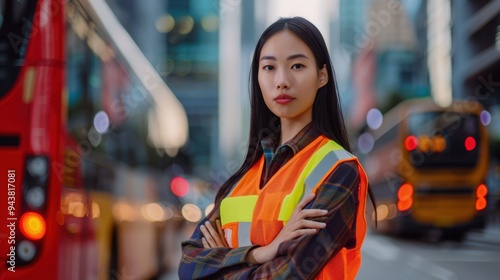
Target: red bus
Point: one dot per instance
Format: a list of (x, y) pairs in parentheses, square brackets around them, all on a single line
[(67, 82)]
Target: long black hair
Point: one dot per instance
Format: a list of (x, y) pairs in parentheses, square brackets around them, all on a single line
[(327, 114)]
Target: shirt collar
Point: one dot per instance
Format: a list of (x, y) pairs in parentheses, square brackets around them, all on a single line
[(303, 138)]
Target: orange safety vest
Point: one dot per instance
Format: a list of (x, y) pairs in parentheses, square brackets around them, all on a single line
[(251, 215)]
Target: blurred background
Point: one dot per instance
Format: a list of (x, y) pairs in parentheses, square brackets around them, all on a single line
[(120, 120)]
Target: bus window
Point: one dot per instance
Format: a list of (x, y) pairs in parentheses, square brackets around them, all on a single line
[(96, 82), (441, 139), (14, 16), (2, 9)]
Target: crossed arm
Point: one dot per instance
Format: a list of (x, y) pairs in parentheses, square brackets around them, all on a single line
[(298, 251)]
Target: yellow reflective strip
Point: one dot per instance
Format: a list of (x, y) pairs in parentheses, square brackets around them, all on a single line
[(292, 199), (237, 209)]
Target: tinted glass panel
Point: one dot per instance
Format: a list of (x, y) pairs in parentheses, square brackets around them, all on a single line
[(15, 19), (445, 139), (2, 11)]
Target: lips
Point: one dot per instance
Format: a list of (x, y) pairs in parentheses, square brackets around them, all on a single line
[(283, 99)]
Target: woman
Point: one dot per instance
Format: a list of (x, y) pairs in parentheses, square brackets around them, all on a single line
[(295, 209)]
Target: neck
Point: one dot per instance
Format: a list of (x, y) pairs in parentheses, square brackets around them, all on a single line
[(290, 128)]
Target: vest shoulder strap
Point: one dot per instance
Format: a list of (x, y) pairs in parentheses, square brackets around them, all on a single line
[(313, 174)]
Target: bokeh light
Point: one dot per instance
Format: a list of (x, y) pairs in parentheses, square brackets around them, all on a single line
[(485, 117), (470, 143), (365, 143), (179, 186), (101, 122), (374, 118), (191, 212)]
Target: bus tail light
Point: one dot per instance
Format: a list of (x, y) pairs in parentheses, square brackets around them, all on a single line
[(26, 250), (411, 143), (481, 193), (405, 197), (35, 197), (37, 166), (470, 143), (32, 225), (36, 180)]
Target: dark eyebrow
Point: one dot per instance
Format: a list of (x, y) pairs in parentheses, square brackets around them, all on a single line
[(299, 55), (293, 56), (268, 57)]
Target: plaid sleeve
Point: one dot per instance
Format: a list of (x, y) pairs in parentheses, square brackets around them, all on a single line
[(200, 263)]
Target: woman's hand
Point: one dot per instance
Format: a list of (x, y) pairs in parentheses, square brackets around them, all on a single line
[(298, 225), (213, 238)]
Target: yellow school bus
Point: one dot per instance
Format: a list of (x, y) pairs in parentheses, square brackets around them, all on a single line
[(427, 166)]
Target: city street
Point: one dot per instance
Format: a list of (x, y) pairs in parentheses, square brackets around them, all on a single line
[(130, 124), (389, 258)]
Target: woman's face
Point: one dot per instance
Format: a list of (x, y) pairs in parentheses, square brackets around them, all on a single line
[(289, 77)]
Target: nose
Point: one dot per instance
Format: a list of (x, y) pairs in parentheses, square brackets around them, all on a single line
[(282, 80)]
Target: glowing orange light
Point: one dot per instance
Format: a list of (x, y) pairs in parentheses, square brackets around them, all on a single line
[(481, 190), (405, 197), (404, 205), (481, 203), (470, 143), (411, 143), (179, 186), (405, 192), (425, 144), (439, 143), (32, 225)]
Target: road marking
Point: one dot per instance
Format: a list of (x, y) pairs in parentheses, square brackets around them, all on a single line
[(463, 256), (431, 269)]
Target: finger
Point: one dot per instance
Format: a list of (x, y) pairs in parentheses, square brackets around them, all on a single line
[(308, 224), (205, 244), (306, 200), (312, 213), (300, 232), (305, 224), (208, 237), (303, 203), (304, 231), (221, 233), (214, 234), (204, 231)]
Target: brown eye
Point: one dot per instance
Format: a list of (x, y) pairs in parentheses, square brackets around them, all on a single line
[(268, 68), (297, 66)]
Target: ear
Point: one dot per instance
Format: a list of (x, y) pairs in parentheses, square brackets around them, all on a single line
[(322, 77)]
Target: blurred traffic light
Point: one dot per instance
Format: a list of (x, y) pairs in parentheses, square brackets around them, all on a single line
[(179, 186)]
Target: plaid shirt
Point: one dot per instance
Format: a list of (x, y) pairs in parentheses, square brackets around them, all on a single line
[(302, 258)]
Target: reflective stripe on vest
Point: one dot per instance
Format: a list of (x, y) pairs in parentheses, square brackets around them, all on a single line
[(238, 210), (313, 174), (245, 206)]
